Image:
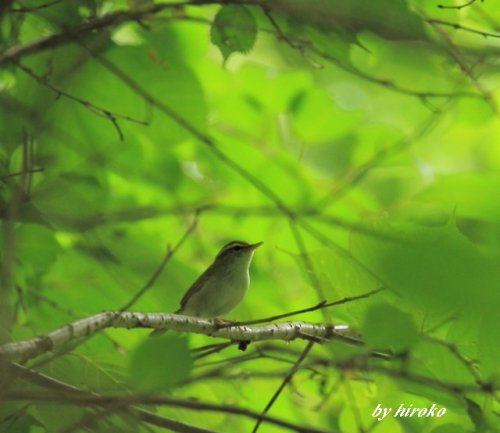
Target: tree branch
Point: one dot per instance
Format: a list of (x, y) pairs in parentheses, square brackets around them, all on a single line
[(285, 381), (169, 254), (50, 383), (72, 34), (90, 325), (91, 400), (321, 305)]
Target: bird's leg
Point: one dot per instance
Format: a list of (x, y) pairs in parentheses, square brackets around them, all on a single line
[(223, 323)]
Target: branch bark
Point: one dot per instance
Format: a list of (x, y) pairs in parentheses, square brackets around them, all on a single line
[(114, 319)]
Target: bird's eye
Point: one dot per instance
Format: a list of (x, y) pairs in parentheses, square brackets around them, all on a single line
[(237, 248)]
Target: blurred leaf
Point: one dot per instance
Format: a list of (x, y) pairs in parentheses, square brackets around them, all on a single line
[(449, 428), (476, 415), (342, 350), (233, 30), (323, 113), (391, 19), (386, 326), (471, 195), (70, 201), (36, 246), (489, 335), (439, 361), (139, 4), (159, 363), (53, 418), (320, 110), (16, 418), (166, 171), (333, 157), (437, 268)]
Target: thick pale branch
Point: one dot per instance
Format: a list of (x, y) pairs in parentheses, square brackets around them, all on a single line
[(90, 325)]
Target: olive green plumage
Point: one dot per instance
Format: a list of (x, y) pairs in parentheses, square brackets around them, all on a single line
[(222, 286)]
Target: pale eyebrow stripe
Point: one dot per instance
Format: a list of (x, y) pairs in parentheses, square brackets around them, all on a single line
[(231, 245)]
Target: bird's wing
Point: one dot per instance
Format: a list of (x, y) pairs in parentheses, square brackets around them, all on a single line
[(196, 286)]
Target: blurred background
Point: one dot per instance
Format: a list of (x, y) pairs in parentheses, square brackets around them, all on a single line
[(358, 140)]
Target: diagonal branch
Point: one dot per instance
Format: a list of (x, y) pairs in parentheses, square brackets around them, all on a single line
[(161, 267), (100, 111), (308, 265), (72, 34), (50, 383), (206, 139), (458, 7), (117, 319), (286, 380), (196, 405), (319, 306)]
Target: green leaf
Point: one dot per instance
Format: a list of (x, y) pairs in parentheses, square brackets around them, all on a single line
[(53, 418), (70, 201), (449, 428), (391, 19), (159, 363), (16, 418), (488, 347), (471, 195), (234, 30), (36, 246), (435, 268), (386, 326), (439, 361), (476, 415)]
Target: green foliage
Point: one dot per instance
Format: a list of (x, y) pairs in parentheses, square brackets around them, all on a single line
[(452, 275), (358, 139), (234, 30), (386, 326), (159, 363), (391, 19)]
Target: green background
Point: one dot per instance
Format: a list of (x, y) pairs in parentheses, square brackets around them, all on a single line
[(359, 140)]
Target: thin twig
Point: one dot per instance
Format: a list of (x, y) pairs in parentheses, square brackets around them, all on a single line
[(322, 304), (456, 55), (295, 45), (286, 380), (387, 83), (469, 364), (36, 8), (100, 111), (325, 240), (359, 173), (112, 19), (161, 266), (358, 419), (4, 8), (464, 5), (20, 173), (308, 265), (464, 28), (45, 381), (195, 405), (216, 349), (206, 139)]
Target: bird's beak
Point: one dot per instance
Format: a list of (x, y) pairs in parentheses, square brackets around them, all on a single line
[(255, 246)]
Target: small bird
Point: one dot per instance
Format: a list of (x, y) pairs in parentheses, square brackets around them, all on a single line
[(222, 286)]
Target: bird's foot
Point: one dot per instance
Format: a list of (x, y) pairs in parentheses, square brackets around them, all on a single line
[(222, 323)]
